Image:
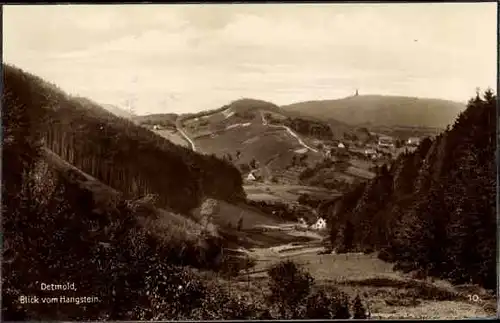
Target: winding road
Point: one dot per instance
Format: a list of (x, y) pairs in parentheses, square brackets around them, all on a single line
[(290, 131), (178, 125)]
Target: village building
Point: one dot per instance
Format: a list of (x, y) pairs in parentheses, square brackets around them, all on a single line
[(341, 145), (371, 153), (413, 141), (302, 223), (320, 224), (386, 142), (327, 151), (156, 127), (253, 175)]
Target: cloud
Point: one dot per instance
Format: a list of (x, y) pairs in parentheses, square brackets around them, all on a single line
[(212, 54)]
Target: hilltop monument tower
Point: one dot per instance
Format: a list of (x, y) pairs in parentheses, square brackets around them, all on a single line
[(356, 93)]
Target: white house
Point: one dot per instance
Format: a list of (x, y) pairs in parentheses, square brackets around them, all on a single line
[(319, 225), (341, 145), (156, 127), (251, 177), (254, 175)]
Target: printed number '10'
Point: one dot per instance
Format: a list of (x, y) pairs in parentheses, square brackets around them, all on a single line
[(474, 298)]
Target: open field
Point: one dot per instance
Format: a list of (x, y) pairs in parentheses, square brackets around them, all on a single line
[(285, 192), (387, 294)]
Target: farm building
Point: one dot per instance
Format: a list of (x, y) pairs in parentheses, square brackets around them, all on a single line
[(372, 153), (341, 145), (385, 142), (302, 222), (320, 224), (254, 175), (413, 141), (327, 151)]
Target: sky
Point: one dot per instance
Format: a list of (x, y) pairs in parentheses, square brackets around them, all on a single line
[(185, 58)]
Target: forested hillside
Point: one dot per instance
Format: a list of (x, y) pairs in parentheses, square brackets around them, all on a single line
[(126, 256), (119, 153), (432, 210)]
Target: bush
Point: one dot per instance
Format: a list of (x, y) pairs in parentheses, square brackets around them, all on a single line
[(324, 304), (289, 286), (359, 310)]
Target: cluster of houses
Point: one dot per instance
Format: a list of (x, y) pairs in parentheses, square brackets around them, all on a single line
[(384, 145), (320, 224)]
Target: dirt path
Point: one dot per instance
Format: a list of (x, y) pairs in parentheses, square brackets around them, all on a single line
[(290, 131), (178, 125)]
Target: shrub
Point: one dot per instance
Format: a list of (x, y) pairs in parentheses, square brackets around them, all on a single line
[(327, 304), (359, 311), (289, 286)]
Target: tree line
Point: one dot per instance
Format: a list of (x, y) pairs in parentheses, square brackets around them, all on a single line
[(305, 127)]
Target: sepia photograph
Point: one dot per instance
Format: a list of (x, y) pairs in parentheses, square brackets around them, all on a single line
[(273, 161)]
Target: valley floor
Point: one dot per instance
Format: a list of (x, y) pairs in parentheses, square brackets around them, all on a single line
[(388, 294)]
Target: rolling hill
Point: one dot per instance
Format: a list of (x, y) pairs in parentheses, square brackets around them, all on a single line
[(380, 110), (257, 134), (239, 133)]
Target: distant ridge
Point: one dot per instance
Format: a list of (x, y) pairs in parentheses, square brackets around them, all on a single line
[(382, 110)]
